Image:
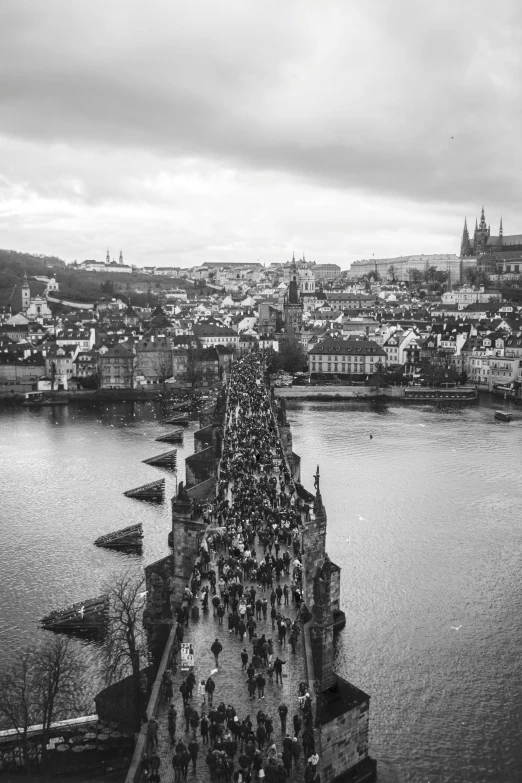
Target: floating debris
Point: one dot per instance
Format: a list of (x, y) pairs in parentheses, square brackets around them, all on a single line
[(153, 492)]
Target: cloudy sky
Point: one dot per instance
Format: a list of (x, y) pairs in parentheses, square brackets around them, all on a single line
[(209, 130)]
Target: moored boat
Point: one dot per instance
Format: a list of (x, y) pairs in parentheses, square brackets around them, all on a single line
[(503, 416)]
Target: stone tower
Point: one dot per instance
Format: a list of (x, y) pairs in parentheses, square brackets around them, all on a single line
[(26, 294), (186, 538), (293, 305)]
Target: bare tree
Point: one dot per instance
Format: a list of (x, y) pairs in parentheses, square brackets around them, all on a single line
[(124, 648), (17, 703), (45, 684), (60, 684), (162, 364)]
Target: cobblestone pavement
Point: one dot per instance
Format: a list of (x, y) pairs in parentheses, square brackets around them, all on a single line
[(231, 684)]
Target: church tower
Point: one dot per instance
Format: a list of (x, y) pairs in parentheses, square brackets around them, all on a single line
[(293, 304), (121, 257), (26, 294), (465, 245), (481, 235)]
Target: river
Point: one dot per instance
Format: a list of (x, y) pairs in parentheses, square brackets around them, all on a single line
[(423, 518)]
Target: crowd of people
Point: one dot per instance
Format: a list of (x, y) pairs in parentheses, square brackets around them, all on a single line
[(250, 587)]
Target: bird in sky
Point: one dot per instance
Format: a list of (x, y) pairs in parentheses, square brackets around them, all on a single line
[(456, 628), (361, 518), (422, 425)]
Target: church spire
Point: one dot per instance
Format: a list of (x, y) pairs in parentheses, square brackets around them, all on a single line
[(108, 258), (483, 225), (501, 231), (121, 257), (465, 246)]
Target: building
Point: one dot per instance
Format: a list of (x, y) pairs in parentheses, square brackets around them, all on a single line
[(293, 307), (484, 242), (210, 335), (324, 272), (465, 296), (398, 269), (117, 367), (346, 357)]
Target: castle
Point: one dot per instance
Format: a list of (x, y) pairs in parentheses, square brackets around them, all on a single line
[(484, 242)]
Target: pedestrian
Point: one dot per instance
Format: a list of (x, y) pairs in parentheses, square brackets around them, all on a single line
[(244, 659), (297, 724), (177, 763), (278, 668), (188, 713), (216, 648), (283, 712), (203, 727), (201, 692), (210, 687), (152, 733), (193, 749), (296, 751), (171, 722), (261, 682)]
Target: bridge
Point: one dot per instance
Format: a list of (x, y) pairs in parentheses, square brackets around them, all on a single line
[(243, 494)]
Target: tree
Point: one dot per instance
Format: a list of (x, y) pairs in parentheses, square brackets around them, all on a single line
[(391, 271), (52, 368), (429, 274), (46, 683), (124, 648), (162, 364), (17, 703), (290, 357), (60, 684), (415, 275), (193, 369)]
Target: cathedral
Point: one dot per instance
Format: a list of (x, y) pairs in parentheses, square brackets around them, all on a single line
[(483, 242)]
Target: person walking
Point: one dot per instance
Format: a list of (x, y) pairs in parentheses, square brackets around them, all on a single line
[(177, 763), (278, 668), (244, 659), (193, 749), (152, 733), (210, 687), (171, 723), (261, 682), (201, 692), (215, 649), (297, 724), (283, 712)]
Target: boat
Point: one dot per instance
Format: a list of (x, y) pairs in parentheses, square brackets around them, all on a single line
[(463, 394), (154, 492), (503, 416), (127, 538), (82, 616)]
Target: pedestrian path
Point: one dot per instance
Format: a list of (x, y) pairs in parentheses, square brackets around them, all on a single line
[(231, 684)]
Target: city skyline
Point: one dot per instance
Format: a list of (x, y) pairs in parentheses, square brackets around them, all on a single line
[(224, 134)]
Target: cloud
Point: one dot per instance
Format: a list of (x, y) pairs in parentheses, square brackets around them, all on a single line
[(110, 105)]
